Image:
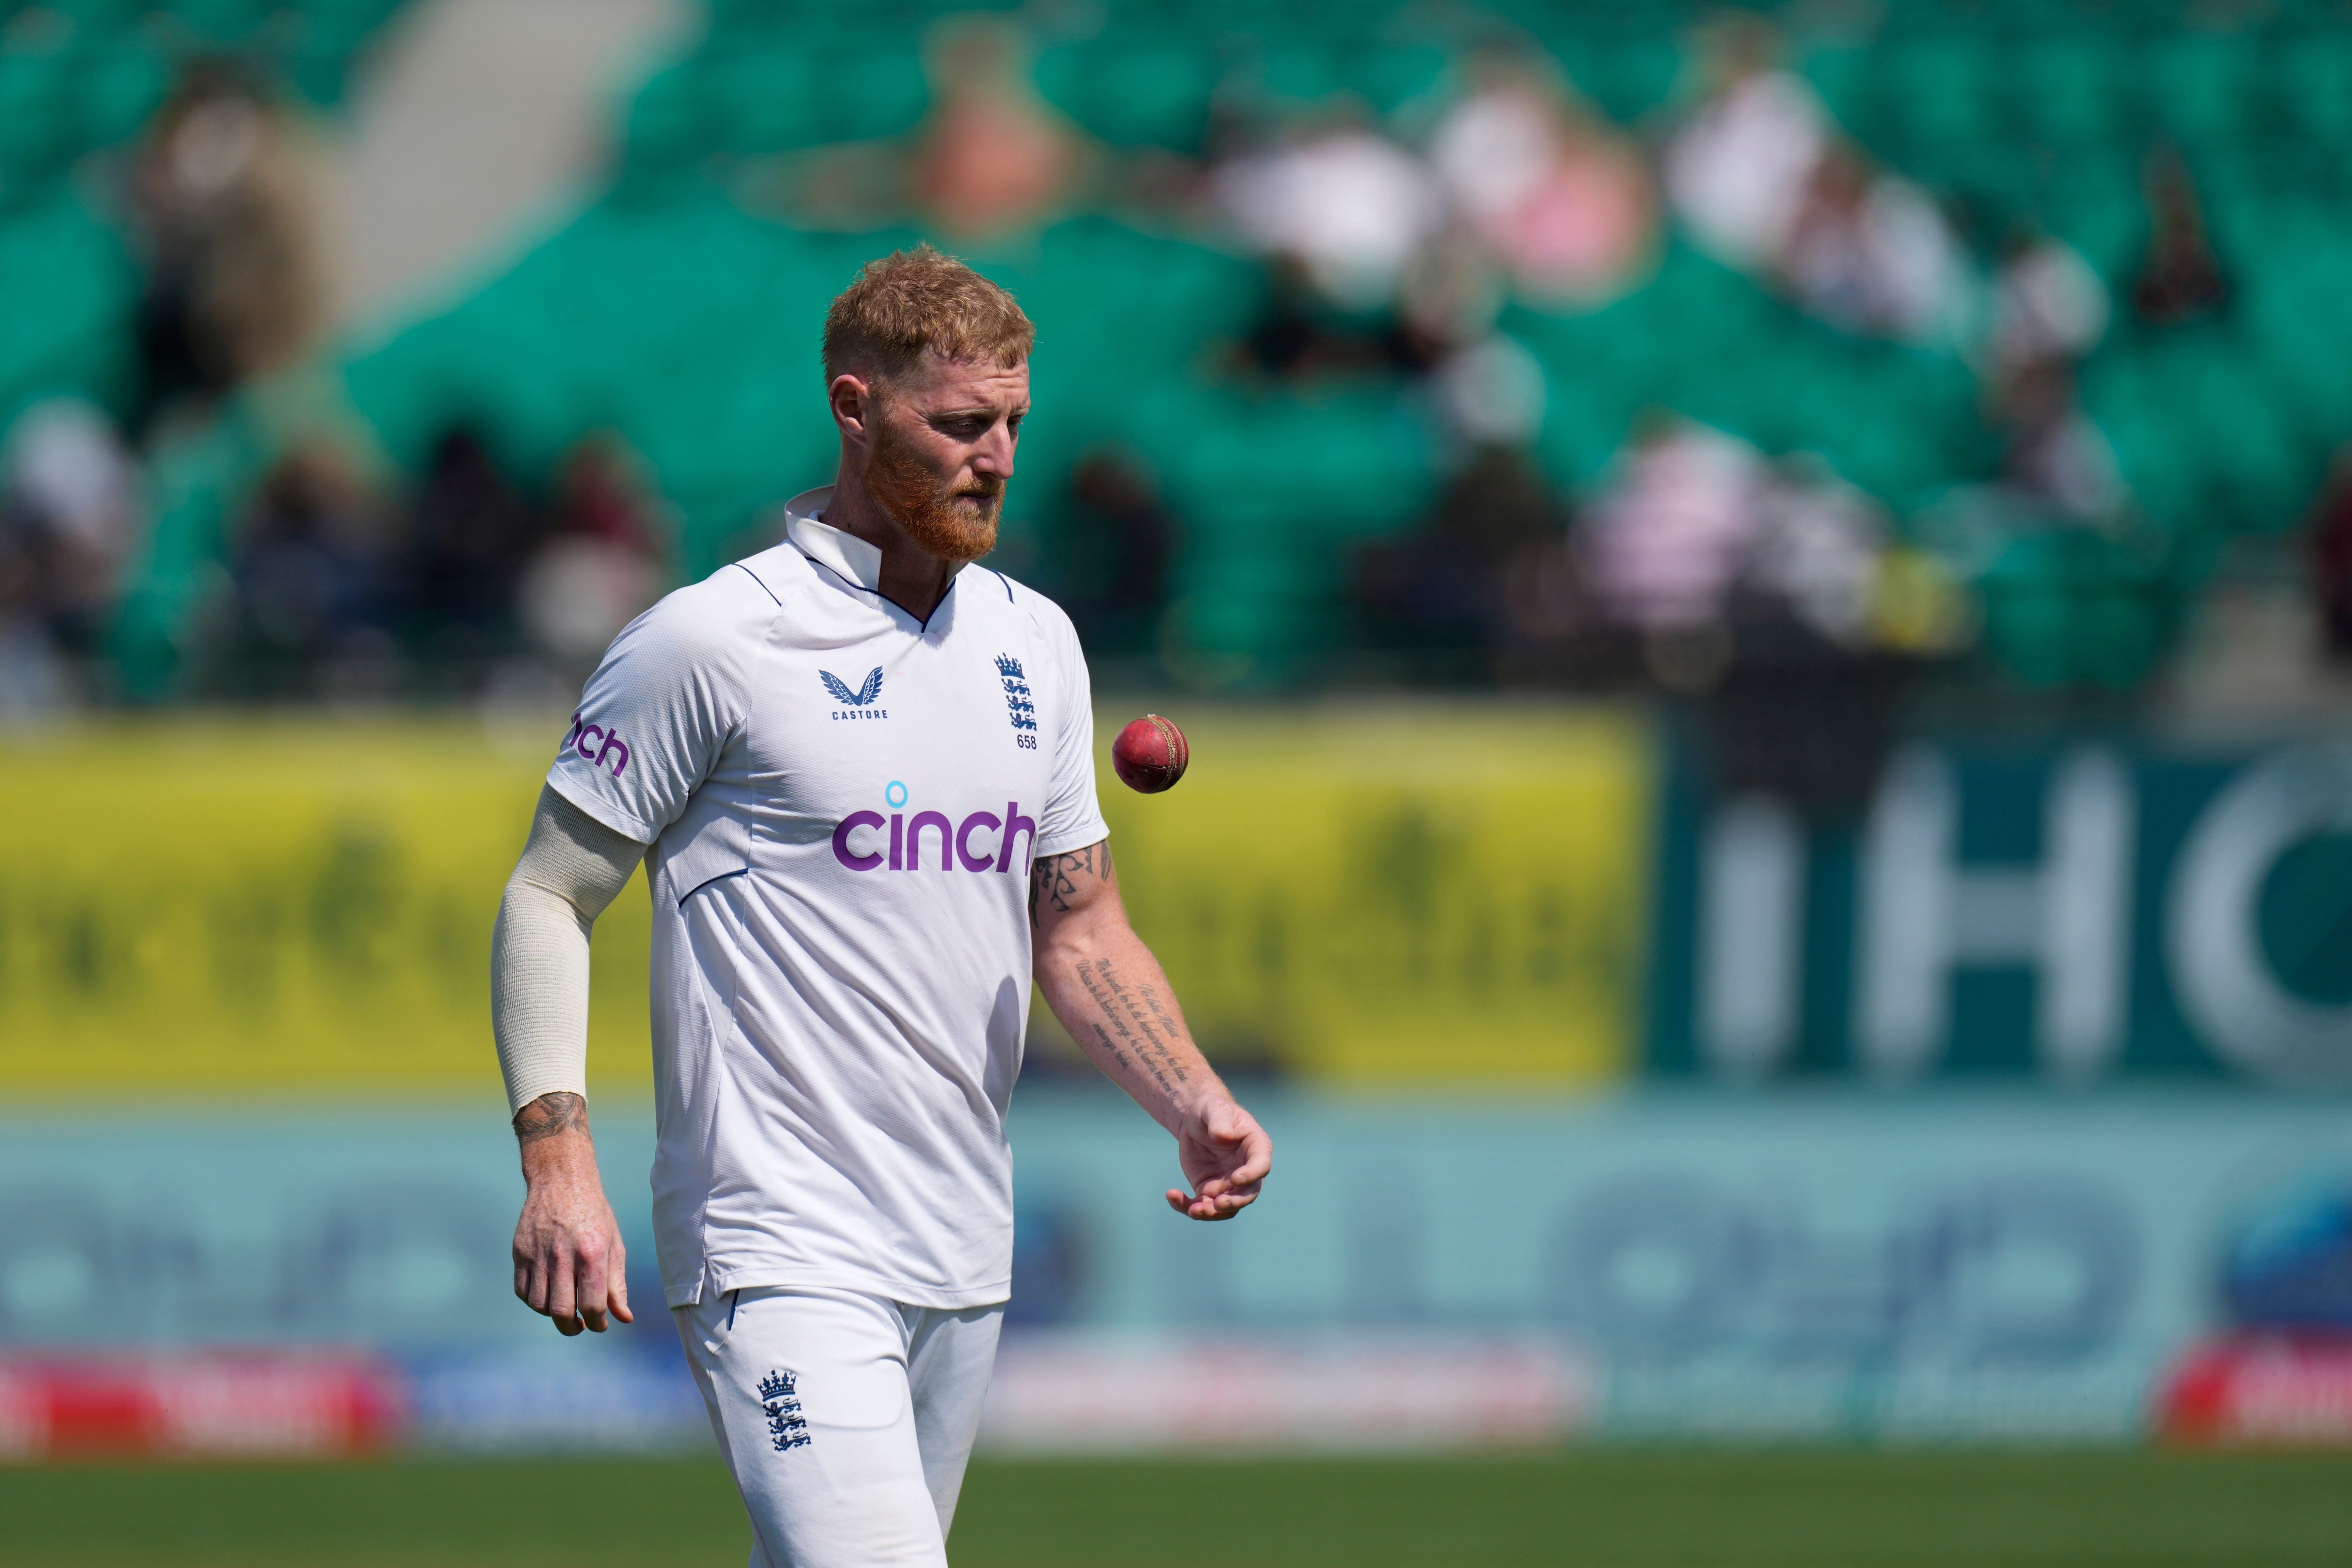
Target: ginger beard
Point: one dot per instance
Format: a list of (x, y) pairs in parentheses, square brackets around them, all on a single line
[(954, 523)]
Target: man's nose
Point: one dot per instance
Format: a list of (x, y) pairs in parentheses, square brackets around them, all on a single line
[(995, 457)]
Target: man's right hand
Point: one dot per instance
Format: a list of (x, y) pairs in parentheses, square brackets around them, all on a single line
[(568, 1258)]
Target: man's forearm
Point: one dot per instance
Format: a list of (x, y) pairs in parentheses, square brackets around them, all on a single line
[(1111, 996)]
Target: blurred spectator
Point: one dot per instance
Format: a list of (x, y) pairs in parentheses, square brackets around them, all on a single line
[(1740, 169), (1112, 565), (1293, 337), (602, 566), (1667, 542), (1352, 207), (223, 195), (315, 583), (1562, 199), (2058, 462), (2049, 311), (2180, 278), (1490, 393), (2048, 304), (1869, 253), (1446, 588), (471, 534), (1818, 551), (991, 155), (69, 521), (2330, 544)]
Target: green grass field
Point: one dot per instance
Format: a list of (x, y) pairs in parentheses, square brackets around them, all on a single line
[(1602, 1508)]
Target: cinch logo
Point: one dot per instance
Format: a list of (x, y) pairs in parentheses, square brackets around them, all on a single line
[(860, 700), (606, 743), (955, 839)]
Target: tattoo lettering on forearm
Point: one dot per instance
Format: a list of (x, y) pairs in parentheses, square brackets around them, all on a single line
[(548, 1115), (1054, 878), (1140, 1021)]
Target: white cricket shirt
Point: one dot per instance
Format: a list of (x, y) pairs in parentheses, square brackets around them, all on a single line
[(842, 802)]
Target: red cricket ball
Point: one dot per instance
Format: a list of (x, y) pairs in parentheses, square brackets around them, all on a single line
[(1149, 755)]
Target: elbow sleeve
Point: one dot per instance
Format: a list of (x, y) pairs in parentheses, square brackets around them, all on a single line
[(570, 870)]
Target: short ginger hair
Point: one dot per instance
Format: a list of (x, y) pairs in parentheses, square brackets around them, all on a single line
[(913, 301)]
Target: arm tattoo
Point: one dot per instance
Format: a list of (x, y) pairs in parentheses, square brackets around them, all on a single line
[(548, 1115), (1052, 878), (1137, 1019)]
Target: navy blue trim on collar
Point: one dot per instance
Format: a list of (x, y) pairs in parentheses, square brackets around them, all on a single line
[(922, 621)]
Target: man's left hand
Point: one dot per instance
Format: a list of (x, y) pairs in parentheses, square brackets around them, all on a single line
[(1226, 1156)]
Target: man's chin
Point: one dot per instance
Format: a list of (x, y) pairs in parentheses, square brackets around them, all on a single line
[(960, 539)]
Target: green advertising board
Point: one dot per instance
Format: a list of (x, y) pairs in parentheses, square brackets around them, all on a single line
[(2074, 911)]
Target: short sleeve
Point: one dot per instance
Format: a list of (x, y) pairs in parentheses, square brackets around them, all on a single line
[(656, 714), (1071, 818)]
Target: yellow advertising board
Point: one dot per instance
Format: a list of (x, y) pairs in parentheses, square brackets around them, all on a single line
[(1398, 895), (1352, 897), (248, 905)]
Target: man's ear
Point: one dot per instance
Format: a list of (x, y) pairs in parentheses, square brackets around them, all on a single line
[(854, 405)]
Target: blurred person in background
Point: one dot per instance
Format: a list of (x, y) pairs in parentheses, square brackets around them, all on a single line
[(2328, 555), (224, 198), (2048, 304), (2047, 311), (1869, 253), (1116, 551), (70, 521), (1804, 706), (1559, 197), (2181, 279), (1759, 176), (993, 155), (471, 535), (990, 159), (1741, 166), (1667, 542), (601, 563), (837, 1032), (1348, 205), (315, 572), (1442, 592)]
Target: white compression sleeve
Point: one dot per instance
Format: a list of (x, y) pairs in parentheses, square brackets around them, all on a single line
[(572, 868)]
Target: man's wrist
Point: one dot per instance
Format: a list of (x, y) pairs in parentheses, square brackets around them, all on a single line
[(552, 1132), (1193, 1099)]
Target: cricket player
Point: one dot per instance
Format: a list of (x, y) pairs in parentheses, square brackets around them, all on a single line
[(859, 770)]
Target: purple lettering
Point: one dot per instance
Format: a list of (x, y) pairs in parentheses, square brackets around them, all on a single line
[(586, 730), (898, 840), (915, 840), (571, 735), (849, 824), (1015, 823), (973, 862), (613, 743)]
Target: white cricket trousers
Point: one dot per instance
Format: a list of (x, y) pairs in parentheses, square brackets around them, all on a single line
[(846, 1419)]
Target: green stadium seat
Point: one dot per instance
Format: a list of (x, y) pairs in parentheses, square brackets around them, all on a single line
[(1132, 92), (2313, 75), (2201, 86), (2065, 88), (115, 92)]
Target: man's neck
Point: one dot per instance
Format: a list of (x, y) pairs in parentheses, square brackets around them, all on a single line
[(911, 577)]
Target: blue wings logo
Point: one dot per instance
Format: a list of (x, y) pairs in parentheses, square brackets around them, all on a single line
[(863, 695)]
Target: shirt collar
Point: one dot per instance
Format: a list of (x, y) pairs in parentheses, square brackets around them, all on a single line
[(845, 553)]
